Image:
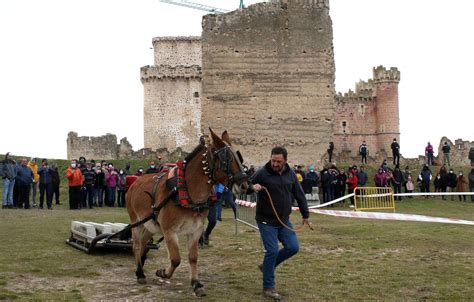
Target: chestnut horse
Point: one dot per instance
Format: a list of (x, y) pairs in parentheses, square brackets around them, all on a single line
[(147, 200)]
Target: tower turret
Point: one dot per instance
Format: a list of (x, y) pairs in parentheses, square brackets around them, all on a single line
[(388, 119)]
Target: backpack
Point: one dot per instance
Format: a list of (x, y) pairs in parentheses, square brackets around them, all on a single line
[(363, 150)]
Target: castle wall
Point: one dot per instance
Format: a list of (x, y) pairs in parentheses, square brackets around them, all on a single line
[(99, 147), (459, 154), (268, 78)]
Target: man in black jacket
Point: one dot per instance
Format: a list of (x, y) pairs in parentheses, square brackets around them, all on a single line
[(395, 152), (283, 186)]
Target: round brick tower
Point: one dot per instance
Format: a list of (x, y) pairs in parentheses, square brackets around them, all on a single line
[(388, 119)]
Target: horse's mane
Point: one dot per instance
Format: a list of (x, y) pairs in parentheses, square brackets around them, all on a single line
[(193, 153)]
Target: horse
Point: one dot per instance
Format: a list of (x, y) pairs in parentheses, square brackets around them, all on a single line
[(151, 213)]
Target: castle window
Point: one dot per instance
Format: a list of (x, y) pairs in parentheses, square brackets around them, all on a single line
[(344, 125), (196, 94), (362, 109)]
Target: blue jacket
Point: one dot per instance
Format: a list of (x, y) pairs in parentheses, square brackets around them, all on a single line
[(283, 189), (46, 175), (24, 174)]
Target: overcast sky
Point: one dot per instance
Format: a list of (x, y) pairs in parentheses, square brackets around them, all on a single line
[(68, 65)]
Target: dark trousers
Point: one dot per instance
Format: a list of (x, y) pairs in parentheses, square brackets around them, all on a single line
[(349, 191), (55, 193), (48, 189), (397, 188), (425, 186), (396, 158), (83, 203), (23, 194), (121, 198), (90, 195), (211, 221), (75, 197), (364, 158), (330, 155)]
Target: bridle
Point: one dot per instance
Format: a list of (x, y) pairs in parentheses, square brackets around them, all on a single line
[(225, 156)]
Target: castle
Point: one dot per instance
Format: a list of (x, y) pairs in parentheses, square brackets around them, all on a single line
[(266, 74)]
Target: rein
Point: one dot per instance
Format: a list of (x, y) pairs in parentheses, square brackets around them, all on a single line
[(299, 229)]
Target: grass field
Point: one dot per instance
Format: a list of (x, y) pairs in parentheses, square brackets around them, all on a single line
[(342, 259)]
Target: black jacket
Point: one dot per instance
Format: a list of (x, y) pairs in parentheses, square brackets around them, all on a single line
[(283, 189)]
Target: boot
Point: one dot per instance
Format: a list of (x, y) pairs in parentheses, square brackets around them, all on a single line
[(271, 293)]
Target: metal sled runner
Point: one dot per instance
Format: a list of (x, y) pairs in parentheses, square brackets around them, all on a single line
[(89, 236)]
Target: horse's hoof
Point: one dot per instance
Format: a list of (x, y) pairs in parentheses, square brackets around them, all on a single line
[(141, 281), (161, 273), (200, 292)]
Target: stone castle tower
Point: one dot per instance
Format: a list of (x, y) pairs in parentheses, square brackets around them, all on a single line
[(172, 88), (267, 77), (370, 113)]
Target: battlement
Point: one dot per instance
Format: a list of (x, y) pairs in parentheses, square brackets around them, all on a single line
[(176, 39), (305, 3), (364, 91), (162, 72), (381, 74)]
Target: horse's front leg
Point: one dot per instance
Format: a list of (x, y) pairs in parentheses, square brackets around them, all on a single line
[(171, 239), (140, 237), (193, 241)]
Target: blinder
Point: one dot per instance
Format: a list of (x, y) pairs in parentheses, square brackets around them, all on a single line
[(225, 156)]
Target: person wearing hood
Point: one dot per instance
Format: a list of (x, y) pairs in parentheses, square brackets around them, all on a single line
[(8, 171), (380, 178), (461, 185), (311, 180), (34, 185), (451, 182), (76, 180), (362, 177), (471, 183), (425, 179)]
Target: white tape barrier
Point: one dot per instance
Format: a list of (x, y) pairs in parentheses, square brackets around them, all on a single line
[(434, 194), (374, 215), (331, 202)]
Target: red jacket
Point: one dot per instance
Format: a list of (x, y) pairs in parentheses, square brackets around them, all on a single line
[(352, 182), (75, 178)]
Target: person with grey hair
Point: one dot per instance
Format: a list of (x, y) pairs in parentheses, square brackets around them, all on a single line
[(8, 172)]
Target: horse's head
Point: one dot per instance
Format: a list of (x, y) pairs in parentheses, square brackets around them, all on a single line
[(229, 169)]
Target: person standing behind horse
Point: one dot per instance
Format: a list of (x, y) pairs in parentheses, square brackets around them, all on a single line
[(75, 179), (283, 186)]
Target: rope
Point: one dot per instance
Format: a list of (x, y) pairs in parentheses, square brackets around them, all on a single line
[(299, 229)]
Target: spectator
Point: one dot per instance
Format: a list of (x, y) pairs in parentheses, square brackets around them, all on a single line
[(326, 188), (363, 151), (228, 198), (405, 174), (429, 153), (362, 177), (395, 152), (121, 188), (446, 150), (76, 180), (409, 184), (34, 185), (471, 183), (99, 185), (330, 150), (55, 181), (139, 171), (425, 179), (380, 178), (83, 167), (340, 187), (89, 183), (384, 165), (444, 180), (152, 169), (299, 174), (437, 184), (311, 180), (24, 179), (215, 200), (111, 178), (46, 184), (126, 170), (397, 179), (471, 156), (451, 181), (8, 171), (351, 185), (461, 185)]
